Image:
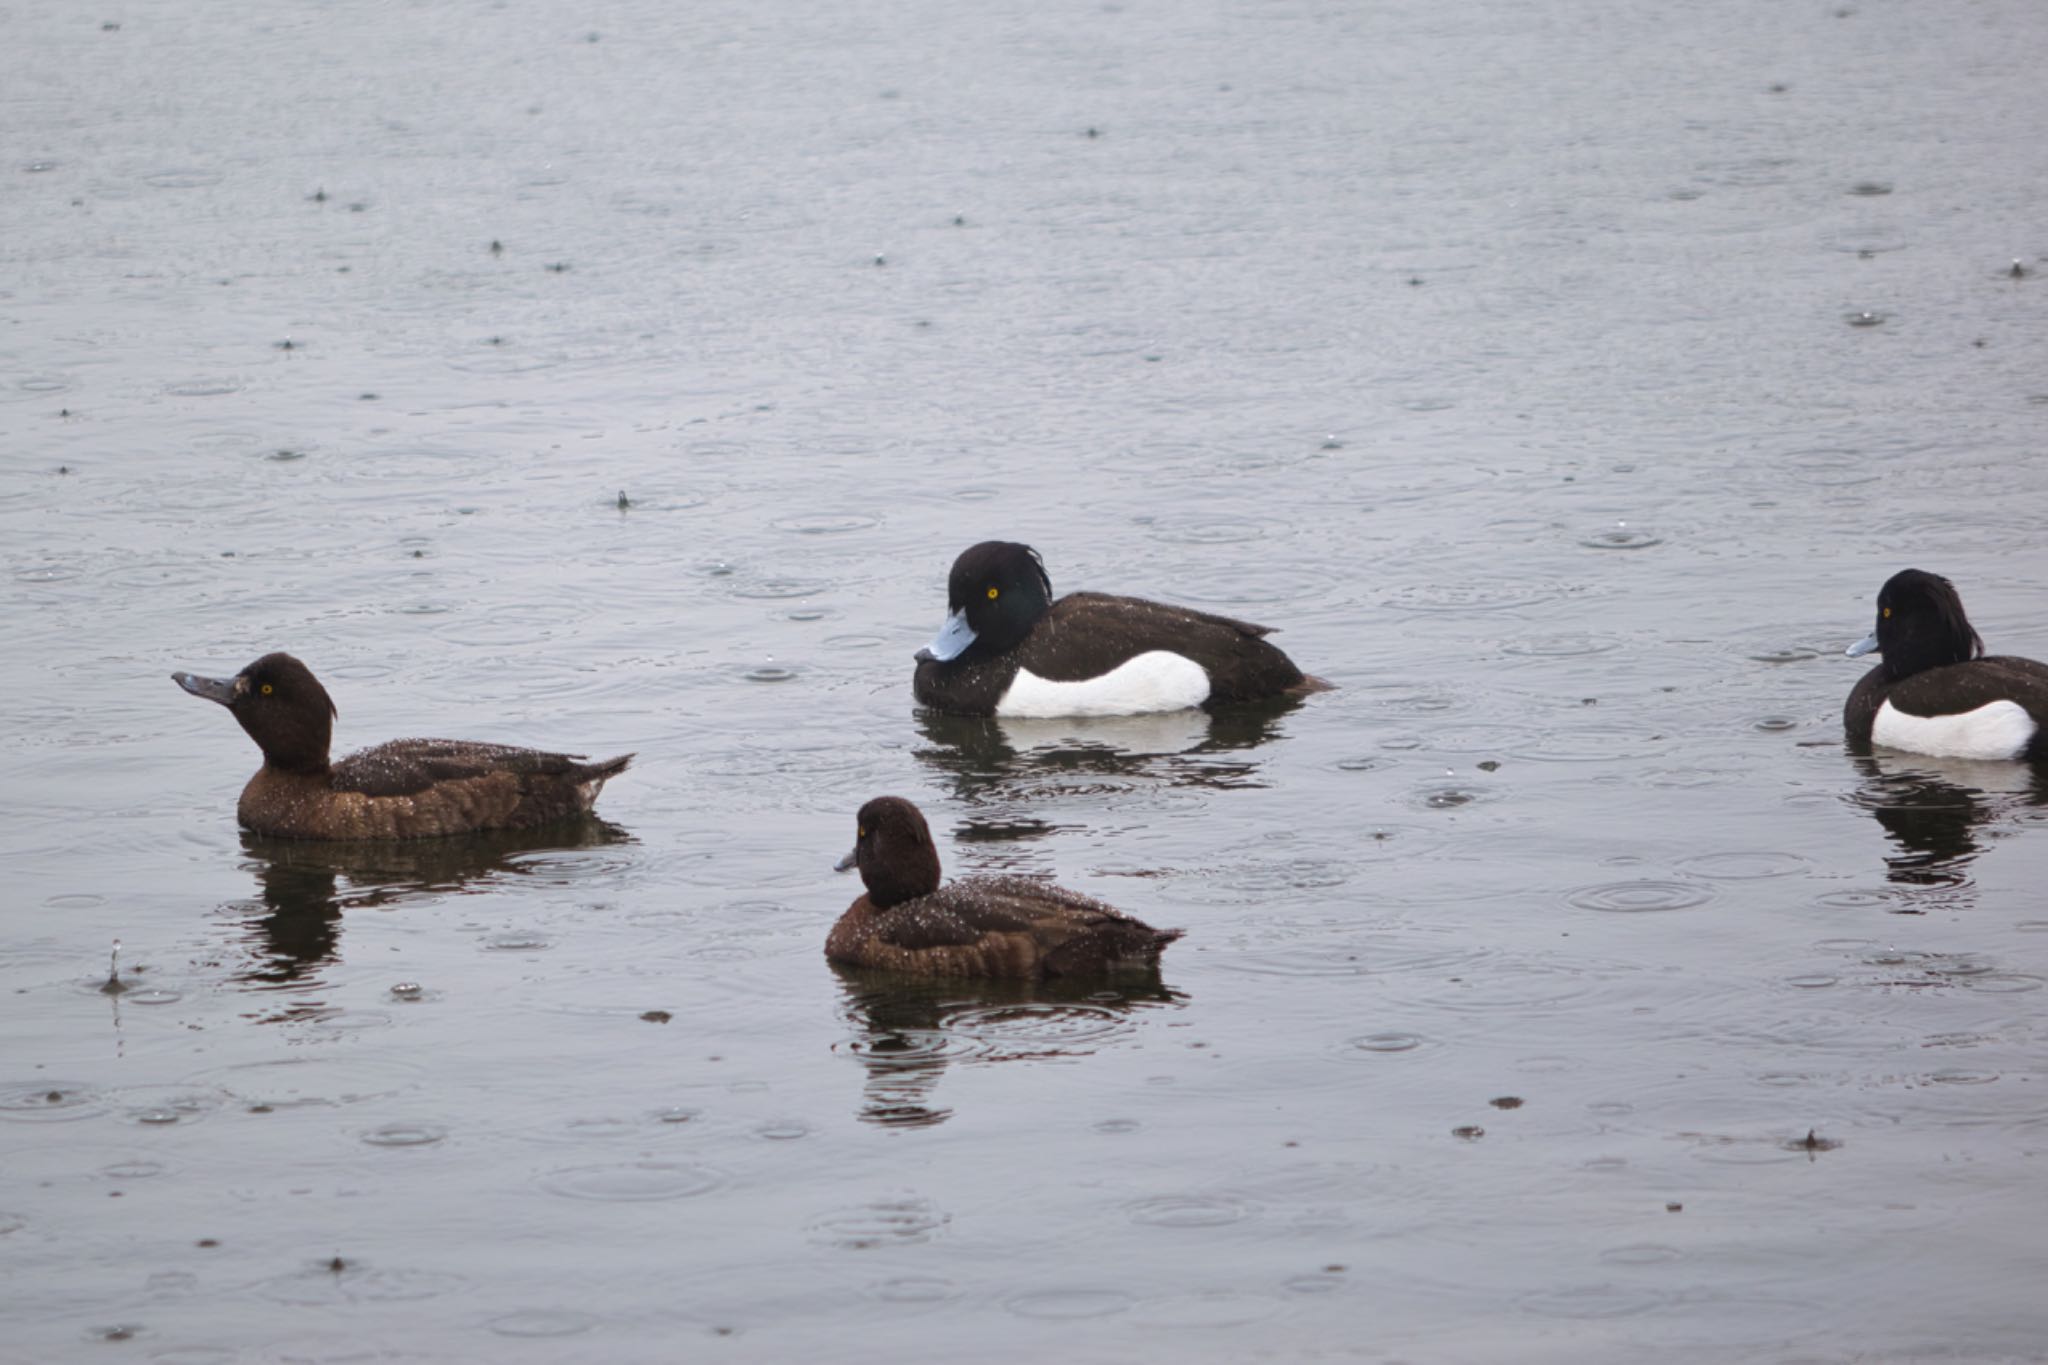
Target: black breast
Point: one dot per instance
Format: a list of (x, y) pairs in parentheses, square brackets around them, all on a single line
[(964, 687)]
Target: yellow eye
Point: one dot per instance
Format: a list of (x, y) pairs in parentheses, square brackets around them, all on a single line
[(994, 593), (1886, 613), (265, 689), (861, 832)]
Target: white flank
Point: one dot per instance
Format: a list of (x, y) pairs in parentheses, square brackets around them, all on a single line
[(1999, 729), (1156, 681)]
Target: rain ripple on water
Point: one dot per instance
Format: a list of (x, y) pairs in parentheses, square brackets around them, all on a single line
[(631, 1182), (1639, 897)]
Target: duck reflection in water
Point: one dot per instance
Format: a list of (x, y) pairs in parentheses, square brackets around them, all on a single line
[(303, 886), (1000, 769), (1937, 810), (907, 1031)]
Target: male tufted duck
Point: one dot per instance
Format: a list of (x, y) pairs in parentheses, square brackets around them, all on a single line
[(407, 789), (1012, 927), (1008, 649), (1936, 693)]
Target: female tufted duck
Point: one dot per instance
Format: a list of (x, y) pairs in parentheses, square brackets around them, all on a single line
[(1008, 649), (1011, 927), (407, 789), (1936, 693)]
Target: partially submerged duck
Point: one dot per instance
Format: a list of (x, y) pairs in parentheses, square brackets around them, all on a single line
[(1009, 649), (1936, 691), (1011, 927), (407, 789)]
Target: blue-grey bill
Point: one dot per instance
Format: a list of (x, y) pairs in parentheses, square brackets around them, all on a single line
[(221, 690), (1866, 645), (851, 860), (953, 637)]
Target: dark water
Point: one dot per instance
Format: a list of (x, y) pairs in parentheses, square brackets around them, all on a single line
[(1564, 380)]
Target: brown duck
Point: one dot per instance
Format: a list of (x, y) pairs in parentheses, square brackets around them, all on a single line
[(407, 789), (1011, 927)]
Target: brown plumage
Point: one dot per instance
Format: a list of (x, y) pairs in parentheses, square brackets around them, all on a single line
[(1011, 927), (406, 789)]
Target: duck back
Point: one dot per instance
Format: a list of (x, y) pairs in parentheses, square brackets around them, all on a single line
[(1007, 927)]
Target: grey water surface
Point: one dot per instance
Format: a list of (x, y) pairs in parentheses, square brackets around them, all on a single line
[(1563, 380)]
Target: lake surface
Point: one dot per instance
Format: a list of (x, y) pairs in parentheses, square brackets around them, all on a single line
[(1563, 381)]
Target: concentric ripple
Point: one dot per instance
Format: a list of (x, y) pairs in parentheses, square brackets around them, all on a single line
[(1560, 646), (903, 1221), (1592, 1302), (535, 1323), (405, 1135), (1621, 538), (1744, 866), (825, 524), (1039, 1028), (49, 1102), (330, 1282), (1187, 1211), (1639, 897), (1505, 595), (1385, 1042), (631, 1182), (1066, 1304)]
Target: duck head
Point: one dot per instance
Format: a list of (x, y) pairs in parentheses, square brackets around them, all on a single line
[(994, 596), (894, 851), (282, 706), (1920, 625)]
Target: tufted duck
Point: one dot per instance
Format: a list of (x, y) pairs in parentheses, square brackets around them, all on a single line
[(1009, 649), (1936, 692), (1013, 927), (407, 789)]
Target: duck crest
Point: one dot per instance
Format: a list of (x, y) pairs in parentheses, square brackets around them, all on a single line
[(1921, 625)]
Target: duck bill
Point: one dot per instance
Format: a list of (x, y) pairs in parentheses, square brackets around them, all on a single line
[(952, 639), (849, 862), (1866, 645), (221, 690)]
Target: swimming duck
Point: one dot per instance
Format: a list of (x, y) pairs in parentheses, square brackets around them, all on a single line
[(1009, 649), (407, 789), (1013, 927), (1936, 692)]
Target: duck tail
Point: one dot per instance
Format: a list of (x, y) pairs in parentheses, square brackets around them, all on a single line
[(599, 772), (591, 777)]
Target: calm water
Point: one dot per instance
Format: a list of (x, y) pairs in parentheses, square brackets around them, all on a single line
[(1564, 380)]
